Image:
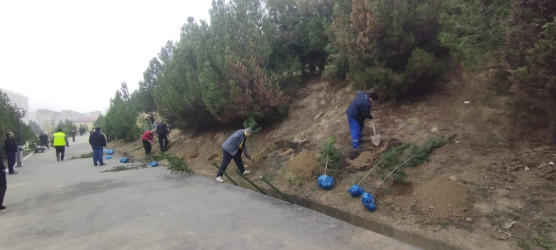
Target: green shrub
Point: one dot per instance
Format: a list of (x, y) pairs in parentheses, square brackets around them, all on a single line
[(330, 157)]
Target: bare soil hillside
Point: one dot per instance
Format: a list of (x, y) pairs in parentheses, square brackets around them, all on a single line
[(491, 187)]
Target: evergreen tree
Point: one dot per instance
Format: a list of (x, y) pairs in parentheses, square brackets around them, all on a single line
[(531, 55), (300, 34), (10, 121), (36, 128), (388, 45), (120, 120), (474, 31), (179, 94)]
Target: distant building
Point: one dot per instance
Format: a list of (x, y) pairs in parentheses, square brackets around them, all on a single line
[(48, 119), (87, 122), (20, 101)]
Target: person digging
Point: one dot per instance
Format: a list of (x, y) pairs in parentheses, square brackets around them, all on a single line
[(357, 112), (233, 148)]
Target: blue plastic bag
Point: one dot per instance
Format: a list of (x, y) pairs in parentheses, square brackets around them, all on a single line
[(367, 198), (110, 151), (153, 164), (325, 182), (124, 160), (108, 157), (369, 202), (371, 206), (355, 190)]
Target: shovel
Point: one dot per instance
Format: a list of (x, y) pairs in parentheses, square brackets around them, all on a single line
[(375, 138)]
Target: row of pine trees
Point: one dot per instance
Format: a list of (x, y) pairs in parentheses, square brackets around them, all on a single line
[(254, 56)]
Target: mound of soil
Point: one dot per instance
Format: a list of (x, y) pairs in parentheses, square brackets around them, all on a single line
[(302, 165)]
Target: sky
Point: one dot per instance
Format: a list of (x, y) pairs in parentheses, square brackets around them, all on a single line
[(74, 54)]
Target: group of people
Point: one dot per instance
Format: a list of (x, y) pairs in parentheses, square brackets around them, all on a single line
[(59, 142), (162, 132), (357, 112), (232, 149)]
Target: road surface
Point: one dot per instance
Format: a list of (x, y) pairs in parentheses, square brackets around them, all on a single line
[(72, 205)]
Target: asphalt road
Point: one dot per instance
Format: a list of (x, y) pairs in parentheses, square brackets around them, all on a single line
[(71, 205)]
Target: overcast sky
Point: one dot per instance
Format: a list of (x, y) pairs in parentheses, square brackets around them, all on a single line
[(74, 54)]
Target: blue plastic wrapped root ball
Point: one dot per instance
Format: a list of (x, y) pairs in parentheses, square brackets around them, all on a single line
[(368, 202), (371, 206), (110, 151), (124, 160), (108, 157), (325, 182), (153, 164), (368, 198), (355, 190)]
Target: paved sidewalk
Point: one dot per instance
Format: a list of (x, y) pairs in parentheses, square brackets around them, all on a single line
[(71, 205)]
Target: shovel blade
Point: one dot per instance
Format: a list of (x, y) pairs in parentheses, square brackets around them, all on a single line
[(376, 139)]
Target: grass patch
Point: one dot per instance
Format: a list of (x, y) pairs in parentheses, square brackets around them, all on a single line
[(269, 176), (545, 225), (87, 155), (443, 223), (523, 243), (544, 242), (123, 168), (294, 181)]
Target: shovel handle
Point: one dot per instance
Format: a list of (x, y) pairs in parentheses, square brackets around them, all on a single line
[(373, 124)]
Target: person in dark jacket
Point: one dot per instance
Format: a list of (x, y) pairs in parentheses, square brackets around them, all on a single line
[(357, 112), (162, 132), (98, 142), (232, 148), (44, 140), (10, 148), (3, 183)]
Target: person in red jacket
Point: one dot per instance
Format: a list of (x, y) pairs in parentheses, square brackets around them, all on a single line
[(147, 141)]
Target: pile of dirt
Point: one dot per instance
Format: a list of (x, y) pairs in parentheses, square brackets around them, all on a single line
[(302, 165), (440, 198), (363, 161)]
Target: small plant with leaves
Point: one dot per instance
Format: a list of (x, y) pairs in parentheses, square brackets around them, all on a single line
[(407, 155), (251, 123), (334, 157), (123, 168), (177, 165), (87, 155)]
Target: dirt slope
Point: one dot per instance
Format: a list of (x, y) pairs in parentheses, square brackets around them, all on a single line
[(492, 187)]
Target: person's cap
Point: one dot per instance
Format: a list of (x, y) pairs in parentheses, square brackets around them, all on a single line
[(248, 130), (373, 96)]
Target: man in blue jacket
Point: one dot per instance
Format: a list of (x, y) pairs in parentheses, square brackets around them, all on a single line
[(98, 142), (232, 148), (357, 112)]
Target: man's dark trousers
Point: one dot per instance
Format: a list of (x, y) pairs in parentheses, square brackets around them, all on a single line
[(163, 141), (227, 158), (11, 161), (147, 146), (97, 155)]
